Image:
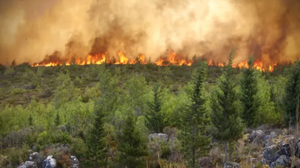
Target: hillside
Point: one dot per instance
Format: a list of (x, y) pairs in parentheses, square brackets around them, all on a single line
[(53, 111)]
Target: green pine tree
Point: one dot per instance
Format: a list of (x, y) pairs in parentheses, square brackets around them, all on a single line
[(57, 119), (195, 121), (132, 146), (30, 119), (227, 125), (156, 119), (97, 148), (250, 99), (292, 94)]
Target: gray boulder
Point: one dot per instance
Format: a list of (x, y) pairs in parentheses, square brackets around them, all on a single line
[(282, 162), (28, 164), (269, 153), (297, 149), (231, 165), (75, 162), (49, 162), (256, 135), (159, 136), (206, 162), (36, 158)]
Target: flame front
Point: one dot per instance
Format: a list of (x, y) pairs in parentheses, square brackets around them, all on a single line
[(172, 59)]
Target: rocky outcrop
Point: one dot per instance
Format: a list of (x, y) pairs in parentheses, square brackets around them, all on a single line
[(270, 154), (297, 149), (231, 165), (36, 158), (279, 155), (49, 162), (28, 164), (75, 162), (256, 135), (158, 136), (282, 162), (206, 162), (36, 161)]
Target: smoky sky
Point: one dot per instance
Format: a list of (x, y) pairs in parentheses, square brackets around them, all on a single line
[(267, 29)]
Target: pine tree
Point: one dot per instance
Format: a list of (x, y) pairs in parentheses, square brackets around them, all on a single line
[(227, 125), (57, 119), (156, 119), (132, 146), (30, 119), (292, 94), (97, 150), (195, 121), (250, 99)]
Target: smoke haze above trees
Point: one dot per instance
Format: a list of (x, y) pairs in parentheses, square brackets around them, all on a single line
[(30, 30)]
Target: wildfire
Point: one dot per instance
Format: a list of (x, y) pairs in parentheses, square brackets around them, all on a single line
[(172, 59)]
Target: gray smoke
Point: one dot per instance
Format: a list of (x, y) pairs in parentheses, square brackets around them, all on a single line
[(32, 29)]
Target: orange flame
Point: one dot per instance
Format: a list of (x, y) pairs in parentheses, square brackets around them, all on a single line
[(172, 59)]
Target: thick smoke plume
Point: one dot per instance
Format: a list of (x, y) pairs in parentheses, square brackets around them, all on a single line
[(32, 29)]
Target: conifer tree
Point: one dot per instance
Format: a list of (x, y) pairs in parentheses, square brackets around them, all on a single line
[(195, 121), (97, 150), (30, 119), (57, 119), (292, 94), (156, 119), (132, 146), (250, 99), (227, 125)]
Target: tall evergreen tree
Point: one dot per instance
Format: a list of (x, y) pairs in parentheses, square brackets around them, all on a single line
[(227, 124), (156, 119), (97, 149), (250, 99), (195, 121), (292, 94), (132, 146), (56, 119), (30, 119)]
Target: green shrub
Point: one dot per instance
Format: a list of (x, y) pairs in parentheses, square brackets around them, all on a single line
[(44, 139), (61, 138), (78, 147), (9, 71), (17, 91), (18, 155)]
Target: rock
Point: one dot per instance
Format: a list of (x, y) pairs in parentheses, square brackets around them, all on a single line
[(231, 165), (256, 135), (206, 162), (273, 134), (159, 136), (282, 162), (289, 139), (269, 153), (268, 138), (49, 162), (28, 164), (285, 149), (297, 149), (36, 158), (75, 162)]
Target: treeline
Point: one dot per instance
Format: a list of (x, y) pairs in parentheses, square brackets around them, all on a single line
[(108, 123)]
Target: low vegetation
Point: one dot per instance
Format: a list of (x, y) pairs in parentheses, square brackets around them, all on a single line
[(104, 114)]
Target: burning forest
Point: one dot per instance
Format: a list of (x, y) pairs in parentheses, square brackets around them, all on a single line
[(155, 83)]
